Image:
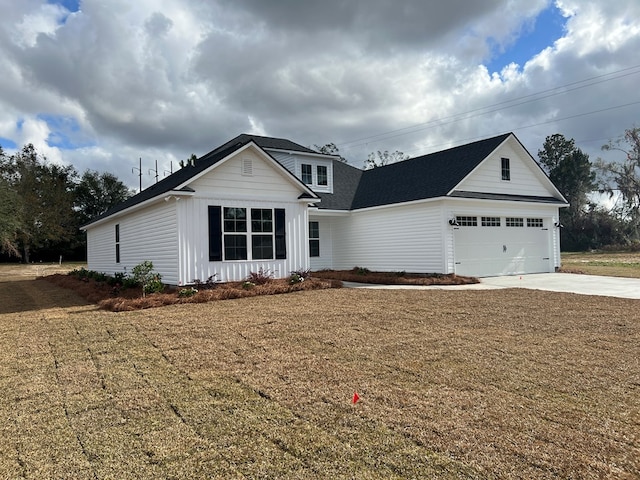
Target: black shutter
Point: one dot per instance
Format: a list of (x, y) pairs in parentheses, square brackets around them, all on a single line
[(215, 233), (281, 239)]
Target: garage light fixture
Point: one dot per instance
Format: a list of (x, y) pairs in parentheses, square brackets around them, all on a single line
[(453, 222), (558, 225)]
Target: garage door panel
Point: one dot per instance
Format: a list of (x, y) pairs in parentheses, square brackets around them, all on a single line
[(489, 251)]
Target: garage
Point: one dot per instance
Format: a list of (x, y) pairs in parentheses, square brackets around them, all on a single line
[(486, 246)]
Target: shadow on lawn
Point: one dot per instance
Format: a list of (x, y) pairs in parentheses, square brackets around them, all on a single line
[(26, 295)]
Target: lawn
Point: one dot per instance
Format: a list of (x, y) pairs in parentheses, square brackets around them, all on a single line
[(453, 384), (613, 264)]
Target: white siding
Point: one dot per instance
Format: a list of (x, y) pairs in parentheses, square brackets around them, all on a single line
[(225, 187), (398, 238), (148, 234), (325, 260), (293, 161), (526, 177)]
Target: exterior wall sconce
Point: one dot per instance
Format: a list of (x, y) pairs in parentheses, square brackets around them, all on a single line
[(453, 222)]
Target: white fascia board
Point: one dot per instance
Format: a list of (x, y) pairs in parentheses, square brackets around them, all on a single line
[(317, 212), (492, 201), (177, 194), (307, 154), (259, 151)]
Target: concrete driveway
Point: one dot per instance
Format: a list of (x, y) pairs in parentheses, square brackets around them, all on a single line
[(553, 282), (571, 283)]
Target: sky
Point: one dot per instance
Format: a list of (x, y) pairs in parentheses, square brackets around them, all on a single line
[(103, 84)]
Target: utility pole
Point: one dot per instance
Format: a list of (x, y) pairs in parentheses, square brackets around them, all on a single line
[(139, 169), (156, 170)]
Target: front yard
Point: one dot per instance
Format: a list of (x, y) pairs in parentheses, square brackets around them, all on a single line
[(452, 384)]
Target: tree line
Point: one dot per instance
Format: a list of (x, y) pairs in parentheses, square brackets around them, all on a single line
[(43, 205)]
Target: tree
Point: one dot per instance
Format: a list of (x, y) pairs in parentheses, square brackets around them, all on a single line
[(570, 170), (10, 213), (45, 205), (624, 176), (379, 159), (96, 193), (330, 149)]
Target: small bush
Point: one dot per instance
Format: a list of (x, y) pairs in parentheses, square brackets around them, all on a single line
[(187, 292), (361, 271), (143, 274), (209, 284), (154, 285), (260, 277), (248, 285)]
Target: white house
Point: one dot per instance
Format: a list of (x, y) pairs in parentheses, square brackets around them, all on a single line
[(481, 209)]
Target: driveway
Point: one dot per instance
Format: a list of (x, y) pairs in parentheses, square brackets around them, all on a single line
[(554, 282), (571, 283)]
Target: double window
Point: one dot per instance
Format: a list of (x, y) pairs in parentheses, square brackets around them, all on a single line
[(314, 175), (238, 233)]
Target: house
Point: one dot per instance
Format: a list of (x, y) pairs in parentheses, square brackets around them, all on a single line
[(485, 208)]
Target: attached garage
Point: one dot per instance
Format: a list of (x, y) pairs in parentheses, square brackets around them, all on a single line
[(486, 245)]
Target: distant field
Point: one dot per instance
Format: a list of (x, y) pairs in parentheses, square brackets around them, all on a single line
[(20, 270), (613, 264)]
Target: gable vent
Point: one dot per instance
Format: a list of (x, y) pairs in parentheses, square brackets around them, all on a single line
[(247, 167)]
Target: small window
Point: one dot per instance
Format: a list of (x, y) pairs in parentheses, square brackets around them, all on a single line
[(118, 243), (490, 221), (314, 239), (515, 222), (535, 222), (322, 175), (506, 169), (307, 173), (467, 221)]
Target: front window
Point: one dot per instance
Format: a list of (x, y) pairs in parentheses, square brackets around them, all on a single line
[(307, 174), (314, 239), (262, 233), (322, 175), (506, 169), (249, 238)]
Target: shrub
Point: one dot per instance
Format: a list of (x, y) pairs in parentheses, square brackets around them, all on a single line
[(144, 275), (209, 284), (248, 285), (187, 292), (361, 271), (260, 277)]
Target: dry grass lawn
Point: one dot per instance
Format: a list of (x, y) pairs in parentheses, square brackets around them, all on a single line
[(453, 384), (612, 264)]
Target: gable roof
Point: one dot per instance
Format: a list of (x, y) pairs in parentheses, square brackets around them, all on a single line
[(176, 181), (428, 176)]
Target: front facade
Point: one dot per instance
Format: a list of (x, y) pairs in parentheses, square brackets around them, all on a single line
[(261, 203)]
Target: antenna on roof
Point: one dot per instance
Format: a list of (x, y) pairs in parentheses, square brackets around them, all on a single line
[(171, 169), (140, 172), (156, 170)]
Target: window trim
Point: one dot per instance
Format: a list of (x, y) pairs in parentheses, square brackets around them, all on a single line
[(221, 229), (324, 176), (505, 165), (117, 243), (314, 239)]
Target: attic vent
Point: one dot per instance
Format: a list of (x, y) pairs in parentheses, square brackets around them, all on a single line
[(247, 167)]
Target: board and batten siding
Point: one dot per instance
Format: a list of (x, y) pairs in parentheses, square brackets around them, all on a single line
[(526, 177), (226, 186), (405, 237), (149, 234)]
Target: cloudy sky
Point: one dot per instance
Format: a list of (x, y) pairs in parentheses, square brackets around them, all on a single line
[(101, 83)]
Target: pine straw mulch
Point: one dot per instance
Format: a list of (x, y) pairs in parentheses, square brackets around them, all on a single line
[(453, 384), (363, 275), (124, 300)]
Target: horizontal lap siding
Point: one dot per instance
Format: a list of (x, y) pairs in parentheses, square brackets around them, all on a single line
[(487, 178), (403, 238), (150, 234)]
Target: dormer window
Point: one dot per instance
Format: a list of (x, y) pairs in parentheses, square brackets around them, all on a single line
[(322, 175), (506, 170), (307, 173)]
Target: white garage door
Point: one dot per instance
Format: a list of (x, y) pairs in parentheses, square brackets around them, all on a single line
[(489, 246)]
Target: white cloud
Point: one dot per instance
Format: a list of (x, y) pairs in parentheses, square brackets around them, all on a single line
[(162, 80)]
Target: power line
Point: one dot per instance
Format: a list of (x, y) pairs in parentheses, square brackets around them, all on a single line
[(493, 108)]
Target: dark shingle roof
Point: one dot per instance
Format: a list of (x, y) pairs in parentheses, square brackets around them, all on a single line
[(183, 175), (346, 179), (428, 176)]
